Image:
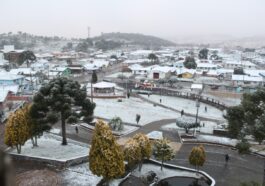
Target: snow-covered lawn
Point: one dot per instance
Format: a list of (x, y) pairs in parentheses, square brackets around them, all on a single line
[(217, 139), (189, 106), (208, 127), (128, 108), (50, 148), (125, 74), (126, 129), (156, 135), (80, 175)]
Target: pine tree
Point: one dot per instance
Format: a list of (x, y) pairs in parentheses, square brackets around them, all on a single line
[(197, 156), (132, 152), (55, 100), (145, 146), (162, 151), (36, 129), (105, 156), (17, 130)]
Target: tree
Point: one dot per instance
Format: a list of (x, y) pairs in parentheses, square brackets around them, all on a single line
[(113, 57), (152, 57), (35, 129), (116, 124), (235, 118), (94, 79), (203, 53), (162, 151), (138, 117), (243, 147), (105, 155), (16, 131), (197, 157), (259, 128), (145, 146), (172, 80), (27, 56), (190, 63), (187, 123), (132, 152), (239, 71), (247, 118), (56, 100)]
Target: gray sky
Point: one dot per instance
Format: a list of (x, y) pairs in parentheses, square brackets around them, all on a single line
[(164, 18)]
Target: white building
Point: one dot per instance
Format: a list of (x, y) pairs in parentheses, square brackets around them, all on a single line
[(237, 64), (239, 80), (159, 72)]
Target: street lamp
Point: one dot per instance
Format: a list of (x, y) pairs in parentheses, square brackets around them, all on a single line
[(198, 106)]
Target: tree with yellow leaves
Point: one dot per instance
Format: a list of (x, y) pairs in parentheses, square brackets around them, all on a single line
[(197, 157), (162, 151), (132, 152), (145, 147), (17, 130), (105, 156)]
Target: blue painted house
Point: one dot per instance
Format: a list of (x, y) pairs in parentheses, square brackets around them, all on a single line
[(11, 79)]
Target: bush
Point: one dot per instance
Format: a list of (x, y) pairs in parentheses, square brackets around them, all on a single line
[(243, 147)]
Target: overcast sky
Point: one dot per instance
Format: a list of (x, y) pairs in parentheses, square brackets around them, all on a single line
[(164, 18)]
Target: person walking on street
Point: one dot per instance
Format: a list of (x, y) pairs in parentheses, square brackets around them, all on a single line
[(226, 158), (182, 113), (205, 109), (76, 129)]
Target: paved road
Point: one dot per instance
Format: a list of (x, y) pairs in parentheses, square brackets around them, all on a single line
[(240, 168)]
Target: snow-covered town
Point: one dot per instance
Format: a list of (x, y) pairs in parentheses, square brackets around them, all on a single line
[(127, 109)]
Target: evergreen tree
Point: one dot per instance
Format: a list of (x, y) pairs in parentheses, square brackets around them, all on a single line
[(36, 129), (162, 151), (116, 124), (190, 63), (17, 130), (145, 146), (197, 157), (27, 56), (132, 152), (94, 77), (203, 53), (56, 99), (105, 156)]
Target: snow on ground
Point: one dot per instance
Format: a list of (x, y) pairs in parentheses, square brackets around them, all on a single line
[(55, 131), (128, 108), (217, 139), (50, 148), (126, 74), (147, 167), (189, 106), (80, 175), (126, 129), (207, 128), (155, 135)]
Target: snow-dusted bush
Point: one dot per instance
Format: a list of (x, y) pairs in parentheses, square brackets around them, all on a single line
[(187, 122), (116, 124)]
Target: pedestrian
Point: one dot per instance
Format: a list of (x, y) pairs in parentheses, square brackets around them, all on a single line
[(160, 100), (128, 95), (76, 129), (205, 109), (148, 94), (226, 158), (182, 113)]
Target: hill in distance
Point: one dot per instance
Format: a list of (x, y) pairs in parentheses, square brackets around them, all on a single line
[(135, 39)]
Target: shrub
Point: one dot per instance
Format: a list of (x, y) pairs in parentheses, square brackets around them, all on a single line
[(243, 147)]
